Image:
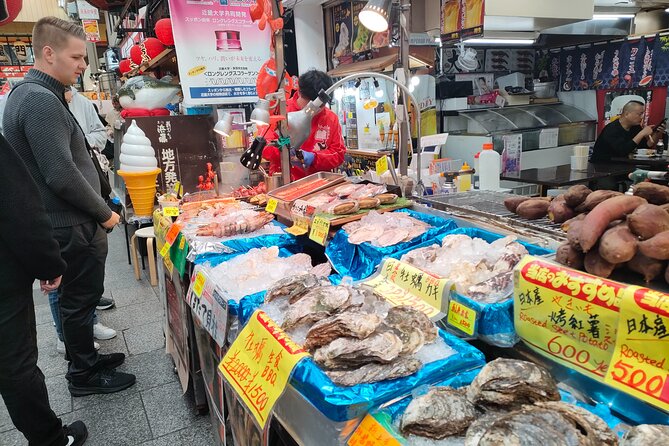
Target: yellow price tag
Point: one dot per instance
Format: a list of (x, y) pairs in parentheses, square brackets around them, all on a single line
[(461, 317), (397, 296), (182, 243), (198, 284), (372, 433), (300, 226), (171, 211), (320, 229), (165, 249), (259, 363), (381, 165), (271, 205), (419, 283)]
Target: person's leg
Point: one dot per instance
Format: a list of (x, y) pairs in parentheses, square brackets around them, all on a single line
[(21, 381), (54, 304)]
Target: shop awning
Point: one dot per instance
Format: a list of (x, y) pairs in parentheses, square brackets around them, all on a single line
[(380, 63)]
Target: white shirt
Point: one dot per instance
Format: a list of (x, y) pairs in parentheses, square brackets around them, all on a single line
[(88, 119)]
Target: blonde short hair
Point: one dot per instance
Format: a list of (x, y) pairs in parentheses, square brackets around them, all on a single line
[(54, 32)]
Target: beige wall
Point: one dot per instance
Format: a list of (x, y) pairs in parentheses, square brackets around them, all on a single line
[(33, 10)]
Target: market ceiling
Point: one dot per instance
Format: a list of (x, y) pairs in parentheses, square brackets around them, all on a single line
[(107, 4)]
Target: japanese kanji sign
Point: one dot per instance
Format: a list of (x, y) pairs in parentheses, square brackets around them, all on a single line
[(259, 364)]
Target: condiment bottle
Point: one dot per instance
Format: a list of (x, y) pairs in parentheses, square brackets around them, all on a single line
[(489, 168), (465, 178)]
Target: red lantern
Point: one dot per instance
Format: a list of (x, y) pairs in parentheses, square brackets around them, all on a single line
[(126, 65), (9, 9), (146, 50), (163, 31)]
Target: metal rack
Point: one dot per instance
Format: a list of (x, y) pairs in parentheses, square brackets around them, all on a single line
[(489, 207)]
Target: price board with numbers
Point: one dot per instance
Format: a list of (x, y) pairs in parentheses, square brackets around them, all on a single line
[(320, 228)]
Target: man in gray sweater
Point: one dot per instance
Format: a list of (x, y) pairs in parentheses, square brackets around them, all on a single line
[(47, 137)]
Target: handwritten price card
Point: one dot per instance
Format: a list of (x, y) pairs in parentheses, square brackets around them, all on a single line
[(461, 317), (320, 229), (568, 316), (424, 285), (210, 308), (373, 433), (640, 366), (259, 363), (396, 296)]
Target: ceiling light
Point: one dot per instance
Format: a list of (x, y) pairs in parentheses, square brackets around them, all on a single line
[(374, 16), (612, 16), (482, 41)]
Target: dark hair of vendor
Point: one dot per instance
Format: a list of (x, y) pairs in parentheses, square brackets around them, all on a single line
[(312, 82), (631, 104)]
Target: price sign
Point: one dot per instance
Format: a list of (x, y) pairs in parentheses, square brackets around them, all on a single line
[(165, 249), (198, 283), (320, 228), (396, 296), (639, 365), (424, 285), (271, 205), (211, 310), (382, 165), (169, 211), (569, 316), (172, 233), (300, 226), (373, 432), (461, 317), (259, 363)]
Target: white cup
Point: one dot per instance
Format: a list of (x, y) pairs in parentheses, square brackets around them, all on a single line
[(579, 163), (642, 152)]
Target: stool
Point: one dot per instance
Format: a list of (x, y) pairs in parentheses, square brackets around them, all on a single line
[(145, 233)]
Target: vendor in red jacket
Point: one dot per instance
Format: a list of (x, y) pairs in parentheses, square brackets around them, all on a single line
[(324, 149)]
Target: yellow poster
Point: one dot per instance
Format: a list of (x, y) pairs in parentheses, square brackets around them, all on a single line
[(639, 366), (566, 315), (259, 364)]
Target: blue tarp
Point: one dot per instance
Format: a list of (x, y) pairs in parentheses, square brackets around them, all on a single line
[(359, 261)]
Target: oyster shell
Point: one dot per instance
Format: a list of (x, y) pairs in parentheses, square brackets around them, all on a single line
[(292, 287), (646, 434), (374, 372), (440, 413), (317, 304), (510, 382), (405, 315), (412, 338), (353, 324), (347, 353), (546, 424)]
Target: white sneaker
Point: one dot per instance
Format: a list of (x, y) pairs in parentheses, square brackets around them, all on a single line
[(60, 346), (103, 333)]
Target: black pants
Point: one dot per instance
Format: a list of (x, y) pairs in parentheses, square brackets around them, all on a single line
[(21, 381), (84, 248)]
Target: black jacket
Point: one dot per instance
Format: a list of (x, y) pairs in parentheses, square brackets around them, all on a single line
[(28, 250), (615, 141)]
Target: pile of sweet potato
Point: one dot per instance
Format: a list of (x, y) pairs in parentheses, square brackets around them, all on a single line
[(609, 230)]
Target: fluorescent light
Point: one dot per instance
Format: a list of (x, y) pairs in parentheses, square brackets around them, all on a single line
[(666, 10), (612, 16), (481, 41), (438, 39)]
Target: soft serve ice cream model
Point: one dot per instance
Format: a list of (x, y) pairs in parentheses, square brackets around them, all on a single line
[(139, 169)]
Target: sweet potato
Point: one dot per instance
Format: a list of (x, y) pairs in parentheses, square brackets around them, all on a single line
[(533, 209), (618, 245), (567, 224), (647, 267), (576, 195), (595, 264), (558, 211), (512, 203), (594, 199), (656, 247), (574, 235), (648, 220), (664, 207), (604, 213), (653, 193), (568, 256)]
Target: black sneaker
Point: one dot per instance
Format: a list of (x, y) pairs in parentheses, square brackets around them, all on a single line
[(110, 361), (105, 303), (104, 381), (75, 433)]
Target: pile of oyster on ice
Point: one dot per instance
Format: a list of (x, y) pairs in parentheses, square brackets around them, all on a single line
[(353, 334), (510, 402), (480, 270)]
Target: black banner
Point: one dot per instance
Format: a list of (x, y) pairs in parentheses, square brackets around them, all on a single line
[(583, 63), (568, 62), (661, 59)]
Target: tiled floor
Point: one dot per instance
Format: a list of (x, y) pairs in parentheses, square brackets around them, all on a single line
[(153, 412)]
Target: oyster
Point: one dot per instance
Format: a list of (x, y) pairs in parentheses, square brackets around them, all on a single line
[(510, 382), (440, 413), (353, 324), (646, 434), (405, 315), (546, 424), (292, 287), (374, 372), (347, 353), (317, 304), (412, 338)]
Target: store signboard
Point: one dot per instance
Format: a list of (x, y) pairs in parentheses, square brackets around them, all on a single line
[(220, 50), (461, 18), (259, 364), (87, 11)]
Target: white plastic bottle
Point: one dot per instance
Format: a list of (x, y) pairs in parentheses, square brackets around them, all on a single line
[(489, 168)]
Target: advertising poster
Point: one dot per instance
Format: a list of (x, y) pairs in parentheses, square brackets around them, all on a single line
[(610, 102), (451, 55), (362, 36), (220, 50), (91, 29), (461, 18), (509, 60), (343, 32), (661, 61)]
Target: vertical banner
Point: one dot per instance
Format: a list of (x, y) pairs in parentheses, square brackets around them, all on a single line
[(473, 11), (661, 59), (568, 64), (342, 19), (584, 61), (647, 70), (362, 37), (631, 59), (91, 29), (461, 18), (220, 50), (600, 54)]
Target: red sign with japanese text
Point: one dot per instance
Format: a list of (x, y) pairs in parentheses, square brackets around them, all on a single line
[(259, 363)]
